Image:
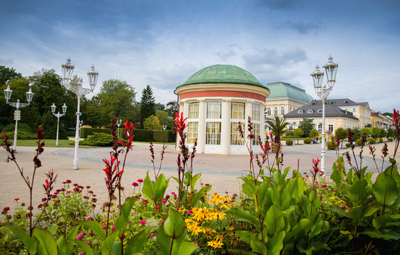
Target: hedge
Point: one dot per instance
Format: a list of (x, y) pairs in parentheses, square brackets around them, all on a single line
[(143, 135), (371, 140), (331, 146), (307, 140), (289, 142)]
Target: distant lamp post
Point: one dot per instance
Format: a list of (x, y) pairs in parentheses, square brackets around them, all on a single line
[(323, 92), (79, 91), (58, 115), (164, 127), (119, 122), (17, 105)]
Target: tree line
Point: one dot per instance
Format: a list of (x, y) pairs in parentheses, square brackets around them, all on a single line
[(116, 99)]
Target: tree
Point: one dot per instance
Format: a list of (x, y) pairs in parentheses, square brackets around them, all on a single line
[(172, 108), (49, 124), (366, 130), (164, 119), (390, 132), (278, 123), (7, 74), (383, 133), (152, 123), (388, 114), (314, 133), (376, 132), (357, 133), (159, 107), (298, 132), (306, 125), (147, 104), (341, 133)]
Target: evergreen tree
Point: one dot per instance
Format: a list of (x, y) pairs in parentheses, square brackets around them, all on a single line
[(306, 125), (147, 104)]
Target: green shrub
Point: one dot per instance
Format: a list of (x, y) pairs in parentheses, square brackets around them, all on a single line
[(289, 142), (307, 140), (371, 140), (358, 142), (172, 136), (161, 135), (143, 135), (71, 132), (90, 131), (331, 146), (390, 139), (22, 134), (290, 134), (98, 139), (348, 145)]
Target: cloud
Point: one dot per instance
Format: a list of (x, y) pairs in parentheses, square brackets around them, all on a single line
[(301, 27), (6, 61), (272, 58), (225, 55), (281, 4)]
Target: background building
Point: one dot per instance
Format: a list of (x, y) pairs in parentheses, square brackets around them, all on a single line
[(215, 99)]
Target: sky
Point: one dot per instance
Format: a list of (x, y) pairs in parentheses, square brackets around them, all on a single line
[(163, 42)]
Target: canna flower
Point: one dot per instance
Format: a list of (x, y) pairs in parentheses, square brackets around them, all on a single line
[(180, 124), (111, 174), (128, 133)]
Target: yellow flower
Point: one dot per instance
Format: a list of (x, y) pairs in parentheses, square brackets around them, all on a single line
[(219, 238), (231, 228), (182, 210), (332, 197), (215, 244)]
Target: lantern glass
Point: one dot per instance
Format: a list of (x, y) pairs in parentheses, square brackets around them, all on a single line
[(67, 69), (7, 93), (93, 75), (64, 108), (53, 108), (29, 95), (318, 77), (331, 70)]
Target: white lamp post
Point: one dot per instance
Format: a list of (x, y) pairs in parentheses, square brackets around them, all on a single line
[(79, 91), (17, 105), (118, 124), (323, 92), (58, 115)]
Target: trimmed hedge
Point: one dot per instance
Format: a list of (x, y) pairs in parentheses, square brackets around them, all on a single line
[(390, 139), (289, 142), (358, 142), (307, 140), (371, 140), (143, 135), (331, 146), (348, 145), (98, 139)]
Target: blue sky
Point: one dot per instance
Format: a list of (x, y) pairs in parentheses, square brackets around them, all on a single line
[(163, 42)]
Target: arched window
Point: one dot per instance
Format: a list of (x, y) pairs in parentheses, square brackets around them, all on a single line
[(332, 102), (282, 110), (269, 111), (300, 112), (320, 111), (310, 111), (276, 111), (346, 101)]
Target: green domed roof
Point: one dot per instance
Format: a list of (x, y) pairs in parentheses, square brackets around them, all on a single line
[(286, 90), (223, 74)]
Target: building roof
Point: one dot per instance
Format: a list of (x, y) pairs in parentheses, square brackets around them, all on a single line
[(286, 90), (345, 102), (223, 74), (315, 110)]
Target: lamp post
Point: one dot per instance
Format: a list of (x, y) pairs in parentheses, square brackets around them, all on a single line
[(58, 115), (79, 91), (118, 124), (17, 105), (323, 92)]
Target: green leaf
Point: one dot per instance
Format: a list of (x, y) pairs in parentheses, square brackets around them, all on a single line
[(187, 179), (73, 233), (148, 188), (390, 234), (249, 184), (29, 242), (261, 195), (116, 248), (125, 212), (385, 190), (62, 246), (336, 175), (244, 215), (86, 248), (370, 209), (174, 225), (397, 202), (194, 181), (199, 194), (338, 210), (275, 244), (108, 243), (52, 229), (95, 226), (138, 241), (179, 247), (394, 173), (274, 220), (160, 186), (47, 244), (307, 250), (320, 245), (302, 224), (297, 187), (356, 214), (246, 236), (358, 192), (258, 247)]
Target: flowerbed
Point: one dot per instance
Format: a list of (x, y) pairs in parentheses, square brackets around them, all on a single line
[(274, 213)]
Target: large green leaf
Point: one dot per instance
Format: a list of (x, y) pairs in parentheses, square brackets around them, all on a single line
[(179, 246), (246, 236), (199, 194), (261, 195), (274, 220), (338, 210), (108, 243), (174, 225), (249, 184), (194, 181), (302, 224), (160, 186), (390, 234), (356, 214), (275, 244), (258, 247), (385, 190), (52, 229), (137, 242), (244, 215), (29, 242), (125, 212), (62, 246), (393, 173), (148, 188), (296, 188), (397, 202), (96, 227), (359, 192), (47, 245), (86, 248)]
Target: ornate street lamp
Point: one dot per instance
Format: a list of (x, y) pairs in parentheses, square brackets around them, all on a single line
[(119, 122), (79, 91), (58, 115), (17, 105), (323, 92)]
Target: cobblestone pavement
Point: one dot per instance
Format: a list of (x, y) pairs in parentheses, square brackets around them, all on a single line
[(221, 171)]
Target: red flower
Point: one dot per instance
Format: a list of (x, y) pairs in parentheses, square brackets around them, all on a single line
[(142, 222), (140, 180), (396, 121), (128, 133), (111, 174), (180, 124), (134, 184), (16, 199)]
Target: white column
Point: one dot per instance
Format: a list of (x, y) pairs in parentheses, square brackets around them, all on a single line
[(225, 126), (201, 137)]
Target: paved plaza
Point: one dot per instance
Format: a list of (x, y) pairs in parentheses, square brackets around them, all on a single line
[(220, 171)]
